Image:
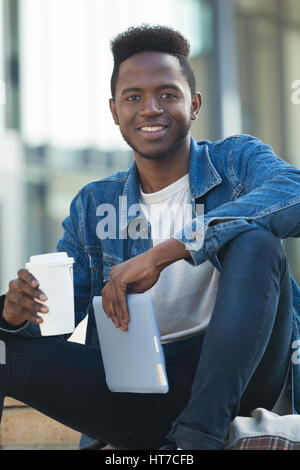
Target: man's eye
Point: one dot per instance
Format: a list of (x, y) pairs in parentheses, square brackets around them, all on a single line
[(168, 96), (133, 98)]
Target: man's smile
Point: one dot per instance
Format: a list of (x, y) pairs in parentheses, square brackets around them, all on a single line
[(153, 131)]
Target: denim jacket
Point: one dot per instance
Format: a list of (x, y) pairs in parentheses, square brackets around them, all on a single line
[(241, 184)]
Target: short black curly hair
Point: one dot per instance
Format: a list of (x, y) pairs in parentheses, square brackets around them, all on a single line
[(151, 38)]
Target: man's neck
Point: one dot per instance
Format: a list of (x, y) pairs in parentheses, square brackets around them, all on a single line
[(158, 174)]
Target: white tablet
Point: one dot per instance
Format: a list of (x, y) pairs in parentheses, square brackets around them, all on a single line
[(134, 359)]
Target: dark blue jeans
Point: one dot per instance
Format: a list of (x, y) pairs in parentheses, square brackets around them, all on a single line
[(239, 364)]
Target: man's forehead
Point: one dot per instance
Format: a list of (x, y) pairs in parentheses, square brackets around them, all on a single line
[(149, 65), (150, 58)]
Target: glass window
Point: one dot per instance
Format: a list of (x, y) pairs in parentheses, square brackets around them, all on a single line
[(258, 6), (2, 74), (260, 85), (291, 92), (291, 10), (291, 115), (269, 44)]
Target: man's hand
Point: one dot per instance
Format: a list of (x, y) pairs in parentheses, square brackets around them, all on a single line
[(141, 273), (137, 275), (20, 301)]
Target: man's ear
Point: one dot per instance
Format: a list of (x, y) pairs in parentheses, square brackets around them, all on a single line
[(196, 105), (113, 111)]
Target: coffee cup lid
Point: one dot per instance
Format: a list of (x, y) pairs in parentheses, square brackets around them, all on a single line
[(50, 259)]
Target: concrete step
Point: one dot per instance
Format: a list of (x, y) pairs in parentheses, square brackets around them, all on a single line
[(11, 402), (25, 428)]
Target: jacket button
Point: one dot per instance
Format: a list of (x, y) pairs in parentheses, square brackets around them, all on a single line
[(196, 236)]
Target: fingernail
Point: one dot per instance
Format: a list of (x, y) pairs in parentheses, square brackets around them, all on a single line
[(44, 309), (43, 297)]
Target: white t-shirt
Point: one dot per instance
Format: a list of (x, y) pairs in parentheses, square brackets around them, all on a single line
[(184, 296)]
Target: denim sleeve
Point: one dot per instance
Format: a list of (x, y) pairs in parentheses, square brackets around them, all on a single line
[(73, 244), (269, 199)]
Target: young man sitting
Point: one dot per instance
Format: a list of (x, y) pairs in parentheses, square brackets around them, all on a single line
[(223, 294)]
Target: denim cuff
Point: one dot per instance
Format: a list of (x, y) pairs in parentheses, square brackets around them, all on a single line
[(2, 301), (189, 439)]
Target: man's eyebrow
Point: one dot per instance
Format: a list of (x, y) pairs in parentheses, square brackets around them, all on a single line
[(130, 90), (169, 87), (161, 87)]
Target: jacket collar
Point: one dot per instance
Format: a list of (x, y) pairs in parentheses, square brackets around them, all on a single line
[(203, 177), (202, 173)]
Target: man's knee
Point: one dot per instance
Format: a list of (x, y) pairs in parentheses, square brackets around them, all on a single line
[(261, 239), (257, 242)]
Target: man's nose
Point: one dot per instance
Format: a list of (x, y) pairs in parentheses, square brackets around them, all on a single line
[(151, 106)]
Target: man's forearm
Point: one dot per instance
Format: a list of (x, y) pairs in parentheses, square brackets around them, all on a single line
[(168, 252)]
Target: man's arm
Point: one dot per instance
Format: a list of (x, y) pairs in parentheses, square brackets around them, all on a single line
[(137, 275), (270, 200), (18, 308), (72, 243)]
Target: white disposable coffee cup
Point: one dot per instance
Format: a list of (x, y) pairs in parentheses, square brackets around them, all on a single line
[(54, 272)]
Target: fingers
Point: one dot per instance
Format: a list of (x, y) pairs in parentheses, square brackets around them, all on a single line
[(28, 303), (22, 300), (115, 306), (22, 286), (27, 277), (17, 314), (121, 316), (113, 315), (123, 311)]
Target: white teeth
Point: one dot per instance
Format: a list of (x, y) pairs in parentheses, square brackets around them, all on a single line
[(152, 129)]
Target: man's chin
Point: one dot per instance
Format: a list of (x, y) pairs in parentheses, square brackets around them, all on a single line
[(156, 154)]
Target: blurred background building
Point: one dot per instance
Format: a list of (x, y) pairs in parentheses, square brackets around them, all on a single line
[(56, 132)]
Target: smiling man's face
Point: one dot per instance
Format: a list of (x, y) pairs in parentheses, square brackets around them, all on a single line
[(153, 105)]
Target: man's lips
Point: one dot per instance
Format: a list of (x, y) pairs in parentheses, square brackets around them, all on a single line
[(153, 131)]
